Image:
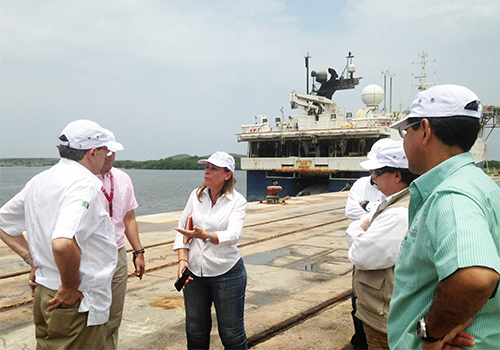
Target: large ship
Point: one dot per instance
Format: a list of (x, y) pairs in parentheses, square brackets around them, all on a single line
[(319, 149)]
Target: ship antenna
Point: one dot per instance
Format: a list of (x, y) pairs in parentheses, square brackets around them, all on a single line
[(385, 74), (349, 61), (307, 72), (422, 85)]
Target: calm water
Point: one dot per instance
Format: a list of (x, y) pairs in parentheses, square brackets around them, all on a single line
[(157, 191)]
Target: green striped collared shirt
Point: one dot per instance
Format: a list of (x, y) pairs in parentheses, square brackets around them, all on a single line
[(454, 218)]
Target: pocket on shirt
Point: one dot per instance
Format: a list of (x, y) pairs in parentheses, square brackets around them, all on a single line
[(406, 272)]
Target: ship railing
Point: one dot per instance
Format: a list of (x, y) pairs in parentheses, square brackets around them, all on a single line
[(371, 122), (256, 128), (281, 136)]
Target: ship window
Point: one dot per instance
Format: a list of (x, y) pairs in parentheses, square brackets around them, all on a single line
[(280, 174), (333, 116), (348, 115)]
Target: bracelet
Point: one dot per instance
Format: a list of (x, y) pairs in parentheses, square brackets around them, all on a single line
[(137, 252), (209, 238), (28, 259), (183, 260)]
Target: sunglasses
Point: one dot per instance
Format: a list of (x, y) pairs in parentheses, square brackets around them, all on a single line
[(402, 132), (386, 169), (108, 151)]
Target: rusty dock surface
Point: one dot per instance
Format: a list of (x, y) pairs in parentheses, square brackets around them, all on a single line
[(299, 282)]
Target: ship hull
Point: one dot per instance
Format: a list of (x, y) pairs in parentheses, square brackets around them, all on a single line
[(302, 183), (298, 184)]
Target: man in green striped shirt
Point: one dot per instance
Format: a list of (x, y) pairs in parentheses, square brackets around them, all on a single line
[(447, 272)]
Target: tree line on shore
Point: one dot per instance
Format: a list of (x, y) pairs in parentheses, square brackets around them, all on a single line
[(174, 163), (183, 162)]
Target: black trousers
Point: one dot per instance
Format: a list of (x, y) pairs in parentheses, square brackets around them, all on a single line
[(358, 340)]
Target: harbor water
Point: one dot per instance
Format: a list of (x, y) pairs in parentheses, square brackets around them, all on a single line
[(157, 191)]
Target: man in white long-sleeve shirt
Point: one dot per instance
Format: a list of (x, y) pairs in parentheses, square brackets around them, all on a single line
[(363, 197), (374, 242)]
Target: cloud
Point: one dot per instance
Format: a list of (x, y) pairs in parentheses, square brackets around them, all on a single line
[(182, 77)]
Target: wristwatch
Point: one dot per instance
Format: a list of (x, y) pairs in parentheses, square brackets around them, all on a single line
[(422, 332), (209, 238)]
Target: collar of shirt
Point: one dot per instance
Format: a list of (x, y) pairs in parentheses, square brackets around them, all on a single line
[(397, 196), (422, 187), (107, 174), (388, 201), (228, 195), (81, 168), (393, 197)]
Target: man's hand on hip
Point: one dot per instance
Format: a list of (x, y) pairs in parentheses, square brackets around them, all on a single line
[(65, 298)]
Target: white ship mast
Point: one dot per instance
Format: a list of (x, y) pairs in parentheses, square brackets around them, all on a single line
[(422, 85)]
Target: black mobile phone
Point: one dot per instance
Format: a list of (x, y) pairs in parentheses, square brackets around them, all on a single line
[(179, 283)]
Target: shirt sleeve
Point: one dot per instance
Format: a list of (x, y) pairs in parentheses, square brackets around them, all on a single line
[(78, 214), (378, 247), (462, 236), (353, 210), (235, 223), (354, 229), (12, 217)]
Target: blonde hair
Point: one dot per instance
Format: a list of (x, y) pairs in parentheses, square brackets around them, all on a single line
[(227, 187)]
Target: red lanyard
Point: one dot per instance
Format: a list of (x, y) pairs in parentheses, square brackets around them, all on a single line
[(109, 196)]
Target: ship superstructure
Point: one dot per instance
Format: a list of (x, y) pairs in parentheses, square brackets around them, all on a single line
[(319, 149)]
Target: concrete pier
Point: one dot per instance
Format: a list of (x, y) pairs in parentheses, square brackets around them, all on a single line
[(299, 282)]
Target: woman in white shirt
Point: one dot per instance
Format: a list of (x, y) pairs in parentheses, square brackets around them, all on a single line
[(218, 274)]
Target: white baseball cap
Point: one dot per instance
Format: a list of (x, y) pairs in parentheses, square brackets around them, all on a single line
[(443, 101), (220, 159), (391, 155), (377, 146), (113, 146), (84, 134)]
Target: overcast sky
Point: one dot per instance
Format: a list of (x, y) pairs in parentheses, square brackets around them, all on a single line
[(171, 77)]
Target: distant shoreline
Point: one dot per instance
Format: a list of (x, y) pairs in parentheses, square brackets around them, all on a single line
[(177, 162), (28, 162)]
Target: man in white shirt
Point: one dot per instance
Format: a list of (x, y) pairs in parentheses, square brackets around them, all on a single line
[(71, 249), (374, 242), (363, 197)]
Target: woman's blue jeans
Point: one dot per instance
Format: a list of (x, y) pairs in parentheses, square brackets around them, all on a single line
[(227, 292)]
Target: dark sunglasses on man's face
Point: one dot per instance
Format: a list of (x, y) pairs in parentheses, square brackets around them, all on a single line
[(386, 169)]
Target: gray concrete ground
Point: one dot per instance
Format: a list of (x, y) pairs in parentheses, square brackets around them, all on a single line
[(298, 280)]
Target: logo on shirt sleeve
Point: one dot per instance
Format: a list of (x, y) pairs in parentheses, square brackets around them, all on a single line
[(86, 204)]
